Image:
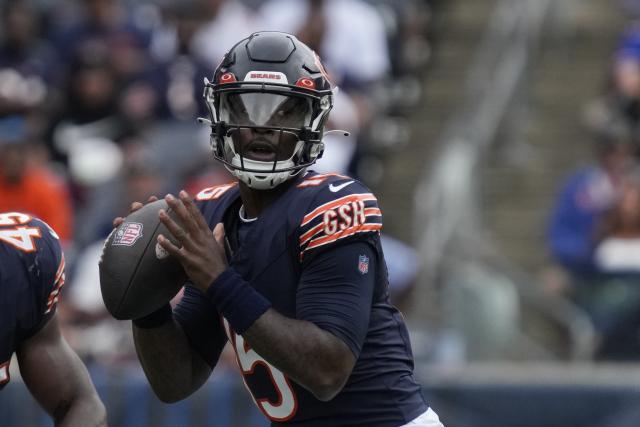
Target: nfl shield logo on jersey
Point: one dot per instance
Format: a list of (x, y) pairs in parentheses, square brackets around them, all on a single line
[(363, 264), (128, 234)]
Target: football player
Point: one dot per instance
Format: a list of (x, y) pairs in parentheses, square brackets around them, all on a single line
[(293, 275), (31, 275)]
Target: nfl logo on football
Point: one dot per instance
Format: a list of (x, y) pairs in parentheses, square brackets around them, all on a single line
[(128, 234), (363, 264)]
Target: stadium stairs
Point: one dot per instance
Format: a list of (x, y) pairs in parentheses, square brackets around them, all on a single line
[(526, 166), (457, 27)]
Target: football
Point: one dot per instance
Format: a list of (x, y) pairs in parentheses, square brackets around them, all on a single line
[(137, 276)]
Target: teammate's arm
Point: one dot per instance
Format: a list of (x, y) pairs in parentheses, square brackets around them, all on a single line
[(58, 380)]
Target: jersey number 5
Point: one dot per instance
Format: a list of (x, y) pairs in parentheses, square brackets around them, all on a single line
[(286, 406), (16, 235)]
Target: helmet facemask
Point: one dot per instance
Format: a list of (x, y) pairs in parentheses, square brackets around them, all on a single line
[(265, 133)]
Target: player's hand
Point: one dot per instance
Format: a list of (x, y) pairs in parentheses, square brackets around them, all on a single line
[(134, 207), (202, 252)]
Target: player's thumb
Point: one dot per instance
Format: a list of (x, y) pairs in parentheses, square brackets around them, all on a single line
[(218, 233)]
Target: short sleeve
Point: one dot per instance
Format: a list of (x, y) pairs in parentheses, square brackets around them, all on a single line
[(336, 291), (343, 211)]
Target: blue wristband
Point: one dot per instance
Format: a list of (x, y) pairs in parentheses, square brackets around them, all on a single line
[(155, 319), (236, 300)]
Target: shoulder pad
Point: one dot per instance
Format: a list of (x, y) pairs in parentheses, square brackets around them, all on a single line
[(342, 207)]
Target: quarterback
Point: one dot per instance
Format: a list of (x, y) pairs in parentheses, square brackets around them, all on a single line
[(293, 276)]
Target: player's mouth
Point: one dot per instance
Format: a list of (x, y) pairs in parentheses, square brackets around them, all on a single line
[(261, 151)]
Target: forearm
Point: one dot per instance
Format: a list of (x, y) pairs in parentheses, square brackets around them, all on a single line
[(78, 403), (311, 356), (85, 411), (58, 380), (172, 367)]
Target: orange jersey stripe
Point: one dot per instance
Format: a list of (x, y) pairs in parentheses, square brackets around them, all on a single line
[(58, 284), (335, 203), (60, 270), (309, 234), (54, 295), (372, 212), (344, 233)]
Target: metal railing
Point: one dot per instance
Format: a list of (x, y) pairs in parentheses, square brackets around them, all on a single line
[(447, 196)]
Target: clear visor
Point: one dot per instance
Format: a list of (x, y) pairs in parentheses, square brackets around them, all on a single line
[(265, 109)]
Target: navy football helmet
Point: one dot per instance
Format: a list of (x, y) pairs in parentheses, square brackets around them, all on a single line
[(269, 87)]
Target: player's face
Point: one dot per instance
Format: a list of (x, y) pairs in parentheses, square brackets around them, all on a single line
[(275, 113)]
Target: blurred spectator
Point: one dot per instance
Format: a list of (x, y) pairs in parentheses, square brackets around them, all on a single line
[(612, 293), (28, 65), (225, 23), (90, 109), (26, 184), (177, 78), (620, 105), (586, 195), (612, 298), (340, 149), (103, 26), (348, 34), (618, 248), (631, 6), (138, 178)]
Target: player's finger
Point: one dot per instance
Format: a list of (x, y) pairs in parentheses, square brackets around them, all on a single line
[(135, 206), (117, 221), (176, 231), (152, 199), (218, 233), (184, 216), (193, 210), (172, 249)]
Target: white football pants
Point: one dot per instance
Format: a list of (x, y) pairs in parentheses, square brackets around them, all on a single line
[(426, 419)]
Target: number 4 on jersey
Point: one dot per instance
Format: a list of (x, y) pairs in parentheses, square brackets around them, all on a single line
[(20, 237)]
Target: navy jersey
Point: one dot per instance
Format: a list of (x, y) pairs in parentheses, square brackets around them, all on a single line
[(31, 275), (315, 254)]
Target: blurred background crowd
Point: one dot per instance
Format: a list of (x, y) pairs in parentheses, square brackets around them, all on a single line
[(502, 138), (99, 100)]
